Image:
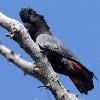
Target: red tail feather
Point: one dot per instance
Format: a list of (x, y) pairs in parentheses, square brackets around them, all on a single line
[(82, 78), (76, 66)]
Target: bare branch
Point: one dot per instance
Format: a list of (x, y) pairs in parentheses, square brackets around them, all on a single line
[(26, 66), (46, 74)]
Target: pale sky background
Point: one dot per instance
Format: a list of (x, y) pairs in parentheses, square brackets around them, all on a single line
[(76, 23)]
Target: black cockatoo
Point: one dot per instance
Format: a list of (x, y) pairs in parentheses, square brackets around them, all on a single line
[(62, 59)]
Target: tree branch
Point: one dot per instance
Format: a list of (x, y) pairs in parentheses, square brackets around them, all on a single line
[(26, 66), (46, 74)]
